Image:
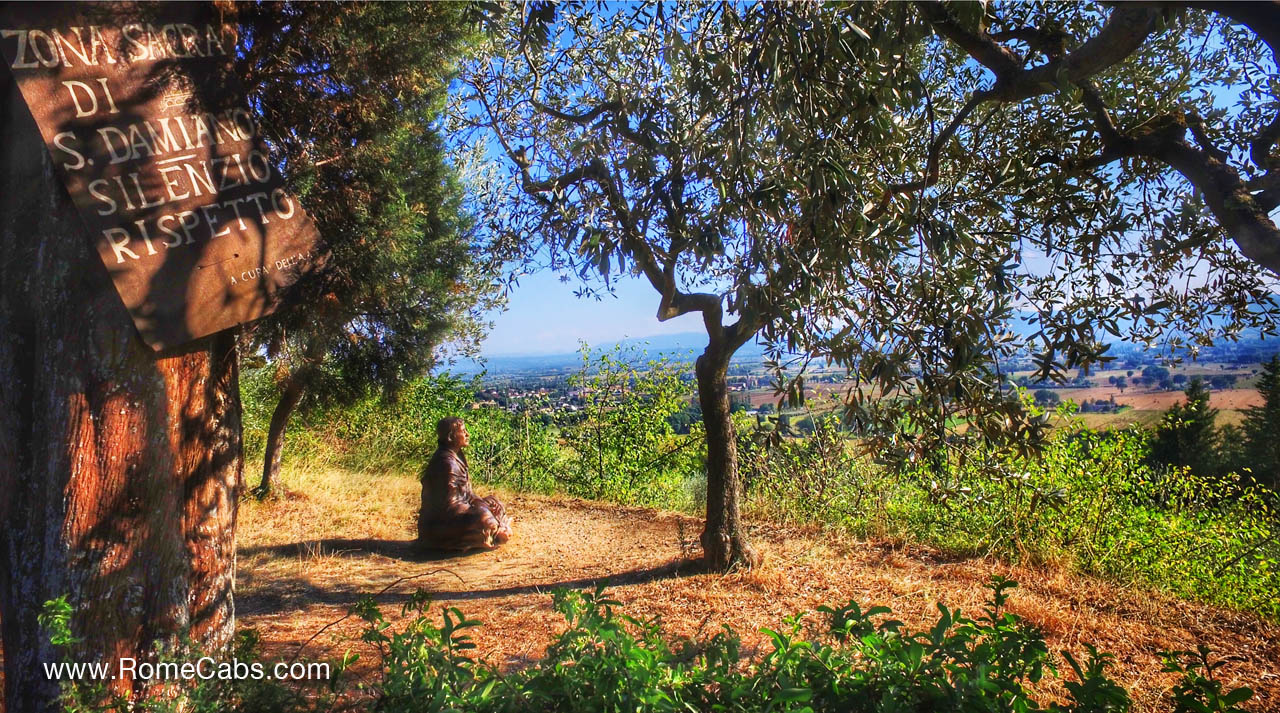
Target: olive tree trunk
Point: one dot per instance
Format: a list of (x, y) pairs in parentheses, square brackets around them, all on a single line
[(724, 544), (119, 468), (289, 398)]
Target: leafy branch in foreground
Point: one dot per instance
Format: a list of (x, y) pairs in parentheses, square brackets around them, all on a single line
[(856, 660)]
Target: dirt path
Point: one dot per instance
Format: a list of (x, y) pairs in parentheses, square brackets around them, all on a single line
[(290, 587)]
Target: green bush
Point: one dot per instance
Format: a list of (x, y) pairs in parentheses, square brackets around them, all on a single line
[(818, 478), (1091, 503), (1198, 692), (857, 660), (621, 446)]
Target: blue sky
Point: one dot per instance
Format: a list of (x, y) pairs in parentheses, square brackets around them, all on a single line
[(544, 317)]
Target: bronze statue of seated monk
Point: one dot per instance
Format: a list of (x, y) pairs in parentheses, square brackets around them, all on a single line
[(453, 517)]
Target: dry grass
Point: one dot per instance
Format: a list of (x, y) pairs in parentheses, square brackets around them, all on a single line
[(1148, 419), (304, 559), (1146, 400)]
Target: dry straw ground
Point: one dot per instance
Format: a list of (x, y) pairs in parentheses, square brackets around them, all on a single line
[(306, 557)]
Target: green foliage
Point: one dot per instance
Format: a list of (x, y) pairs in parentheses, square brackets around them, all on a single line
[(619, 447), (55, 618), (1091, 503), (855, 661), (76, 696), (621, 444), (817, 478), (997, 156), (215, 694), (358, 135), (1201, 692), (351, 97), (1046, 397), (424, 666), (1186, 435), (252, 695), (1262, 428), (1153, 375), (258, 396), (381, 432)]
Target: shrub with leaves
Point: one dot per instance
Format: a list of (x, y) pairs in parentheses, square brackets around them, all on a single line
[(855, 660), (818, 477), (1202, 692), (621, 444), (858, 660), (1092, 503)]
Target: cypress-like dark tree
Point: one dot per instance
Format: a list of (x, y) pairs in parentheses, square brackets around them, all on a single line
[(1262, 428), (1186, 435), (352, 94)]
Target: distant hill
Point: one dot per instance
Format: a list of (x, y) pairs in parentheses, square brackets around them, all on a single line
[(684, 346)]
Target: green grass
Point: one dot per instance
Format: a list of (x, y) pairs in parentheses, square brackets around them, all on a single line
[(1089, 503)]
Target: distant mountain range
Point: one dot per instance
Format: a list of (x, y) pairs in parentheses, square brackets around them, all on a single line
[(684, 346)]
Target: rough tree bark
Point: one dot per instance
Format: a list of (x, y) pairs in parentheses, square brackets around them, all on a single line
[(724, 543), (293, 393), (119, 468)]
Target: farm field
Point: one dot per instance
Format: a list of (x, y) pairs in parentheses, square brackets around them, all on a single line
[(1146, 408), (1145, 405), (1147, 400)]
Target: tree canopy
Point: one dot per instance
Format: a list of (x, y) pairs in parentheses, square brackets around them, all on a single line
[(917, 192), (351, 97)]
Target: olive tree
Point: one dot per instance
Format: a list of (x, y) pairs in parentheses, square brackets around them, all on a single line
[(893, 188), (640, 141), (1116, 164)]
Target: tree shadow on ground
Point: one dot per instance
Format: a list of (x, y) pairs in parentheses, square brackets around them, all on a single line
[(405, 550), (297, 594), (671, 570)]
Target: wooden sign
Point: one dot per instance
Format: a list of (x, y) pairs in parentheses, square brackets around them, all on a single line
[(165, 162)]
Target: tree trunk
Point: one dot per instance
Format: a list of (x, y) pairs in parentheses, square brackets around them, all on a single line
[(724, 544), (119, 468), (293, 392)]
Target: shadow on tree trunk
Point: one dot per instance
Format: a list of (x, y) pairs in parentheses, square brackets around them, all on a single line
[(119, 468)]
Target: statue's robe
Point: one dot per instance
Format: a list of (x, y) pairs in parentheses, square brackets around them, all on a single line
[(452, 517)]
